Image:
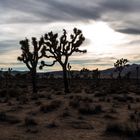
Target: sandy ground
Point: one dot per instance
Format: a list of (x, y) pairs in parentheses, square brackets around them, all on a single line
[(83, 114)]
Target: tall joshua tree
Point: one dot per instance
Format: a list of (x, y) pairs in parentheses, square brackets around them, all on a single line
[(137, 73), (60, 49), (120, 64), (30, 56)]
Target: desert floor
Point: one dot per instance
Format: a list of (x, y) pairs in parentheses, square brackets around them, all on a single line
[(94, 110)]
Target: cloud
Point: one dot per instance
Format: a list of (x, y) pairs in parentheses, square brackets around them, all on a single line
[(7, 45), (130, 31), (26, 18), (121, 6), (47, 11), (119, 14)]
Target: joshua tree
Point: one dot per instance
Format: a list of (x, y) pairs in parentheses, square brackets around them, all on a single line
[(137, 72), (69, 73), (61, 49), (30, 56), (120, 65), (84, 72), (96, 74), (1, 76)]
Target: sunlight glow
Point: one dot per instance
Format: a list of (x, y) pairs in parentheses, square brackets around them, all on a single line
[(102, 37)]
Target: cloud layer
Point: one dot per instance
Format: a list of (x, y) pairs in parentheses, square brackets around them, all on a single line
[(26, 18)]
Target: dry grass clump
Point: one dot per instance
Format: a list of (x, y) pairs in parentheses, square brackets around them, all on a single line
[(80, 124), (55, 104), (30, 121), (52, 124), (123, 129), (87, 109), (9, 118), (10, 92)]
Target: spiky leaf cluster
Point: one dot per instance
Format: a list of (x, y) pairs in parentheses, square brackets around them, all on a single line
[(28, 56), (120, 64), (61, 48)]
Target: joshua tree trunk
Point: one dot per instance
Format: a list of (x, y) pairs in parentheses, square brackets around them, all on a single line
[(137, 71), (65, 79), (119, 76), (34, 81)]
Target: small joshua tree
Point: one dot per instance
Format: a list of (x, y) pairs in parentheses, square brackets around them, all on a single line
[(120, 65), (84, 72), (69, 73), (137, 73), (61, 49), (30, 56), (1, 75)]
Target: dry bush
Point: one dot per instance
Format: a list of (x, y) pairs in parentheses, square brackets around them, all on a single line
[(52, 125), (80, 124), (87, 109), (9, 118), (51, 107), (30, 121), (123, 129), (11, 92)]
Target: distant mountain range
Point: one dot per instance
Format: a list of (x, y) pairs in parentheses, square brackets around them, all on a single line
[(104, 73)]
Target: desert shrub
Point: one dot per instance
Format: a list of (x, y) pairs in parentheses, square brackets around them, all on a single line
[(137, 99), (132, 117), (51, 107), (49, 96), (112, 110), (22, 99), (108, 100), (38, 103), (59, 93), (80, 124), (41, 95), (3, 92), (52, 125), (102, 99), (124, 129), (2, 116), (11, 92), (129, 107), (74, 103), (8, 118), (71, 97), (99, 94), (120, 98), (77, 90), (108, 116), (14, 92), (65, 113), (87, 109), (30, 121), (87, 99), (88, 91), (21, 85)]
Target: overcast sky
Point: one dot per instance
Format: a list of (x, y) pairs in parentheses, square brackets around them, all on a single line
[(111, 29)]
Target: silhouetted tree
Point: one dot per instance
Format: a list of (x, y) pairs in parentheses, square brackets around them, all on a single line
[(61, 49), (30, 56), (84, 72), (137, 72), (96, 74), (7, 76), (127, 75), (1, 75), (120, 64), (69, 73)]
